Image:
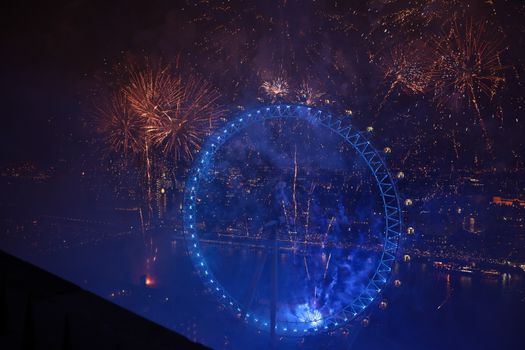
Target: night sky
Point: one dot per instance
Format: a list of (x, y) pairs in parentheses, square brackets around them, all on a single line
[(58, 56)]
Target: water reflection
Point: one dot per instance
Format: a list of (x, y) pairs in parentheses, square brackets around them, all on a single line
[(474, 306)]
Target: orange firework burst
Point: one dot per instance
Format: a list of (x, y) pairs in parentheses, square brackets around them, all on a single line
[(414, 18), (308, 95), (120, 126), (276, 88), (179, 130), (152, 91), (176, 112), (158, 117), (466, 67), (405, 68)]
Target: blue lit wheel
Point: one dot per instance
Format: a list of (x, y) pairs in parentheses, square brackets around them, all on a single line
[(292, 219)]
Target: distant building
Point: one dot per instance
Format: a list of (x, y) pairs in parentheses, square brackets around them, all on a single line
[(471, 224), (508, 201)]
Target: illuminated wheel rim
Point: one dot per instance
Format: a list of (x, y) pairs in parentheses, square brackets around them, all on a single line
[(385, 185)]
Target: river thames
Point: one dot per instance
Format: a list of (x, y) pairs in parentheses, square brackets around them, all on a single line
[(432, 309)]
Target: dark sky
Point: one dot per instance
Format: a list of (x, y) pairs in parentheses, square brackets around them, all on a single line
[(52, 51), (57, 54)]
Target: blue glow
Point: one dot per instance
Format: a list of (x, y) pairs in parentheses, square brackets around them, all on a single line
[(311, 317)]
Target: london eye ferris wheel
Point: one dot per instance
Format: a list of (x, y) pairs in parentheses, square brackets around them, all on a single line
[(292, 219)]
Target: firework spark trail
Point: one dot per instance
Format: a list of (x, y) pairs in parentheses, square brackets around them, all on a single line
[(307, 221), (466, 68), (328, 230), (405, 70), (306, 268), (246, 227), (294, 198), (386, 96), (120, 127), (286, 220), (327, 264), (407, 155), (148, 179), (450, 290), (142, 224)]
